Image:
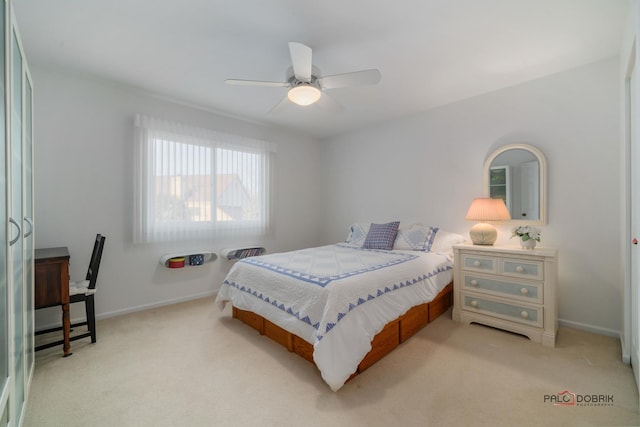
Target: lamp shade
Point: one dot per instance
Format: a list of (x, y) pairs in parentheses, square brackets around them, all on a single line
[(486, 209), (304, 94)]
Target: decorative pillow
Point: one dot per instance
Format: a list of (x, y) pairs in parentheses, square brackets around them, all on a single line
[(416, 237), (381, 236), (358, 233), (431, 237)]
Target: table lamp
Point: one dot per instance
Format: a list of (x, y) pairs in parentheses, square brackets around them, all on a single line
[(486, 209)]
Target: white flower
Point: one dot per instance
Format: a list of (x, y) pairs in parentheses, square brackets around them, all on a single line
[(526, 232)]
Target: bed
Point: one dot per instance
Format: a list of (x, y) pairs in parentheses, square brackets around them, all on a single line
[(342, 306)]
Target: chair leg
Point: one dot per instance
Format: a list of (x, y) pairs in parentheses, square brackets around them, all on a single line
[(91, 317)]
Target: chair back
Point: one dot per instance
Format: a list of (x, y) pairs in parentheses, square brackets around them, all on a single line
[(94, 265)]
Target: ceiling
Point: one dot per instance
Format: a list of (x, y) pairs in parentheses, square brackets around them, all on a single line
[(430, 52)]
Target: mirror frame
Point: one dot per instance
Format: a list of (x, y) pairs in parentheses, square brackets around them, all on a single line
[(543, 179)]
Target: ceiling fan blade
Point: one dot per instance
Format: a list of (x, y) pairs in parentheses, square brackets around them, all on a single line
[(255, 83), (301, 59), (356, 78)]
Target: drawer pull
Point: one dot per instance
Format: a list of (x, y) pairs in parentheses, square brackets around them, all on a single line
[(476, 263), (524, 314), (524, 291), (473, 282), (519, 269), (474, 303)]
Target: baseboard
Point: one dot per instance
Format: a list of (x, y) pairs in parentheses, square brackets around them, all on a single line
[(626, 356), (636, 371), (134, 309), (590, 328), (153, 305)]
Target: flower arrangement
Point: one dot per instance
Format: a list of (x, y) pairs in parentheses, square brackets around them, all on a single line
[(526, 232)]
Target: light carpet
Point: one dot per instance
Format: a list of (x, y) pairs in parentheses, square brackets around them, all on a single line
[(191, 365)]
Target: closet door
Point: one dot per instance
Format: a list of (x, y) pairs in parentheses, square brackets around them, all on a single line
[(21, 208), (4, 217), (633, 295), (28, 237), (16, 215), (16, 236)]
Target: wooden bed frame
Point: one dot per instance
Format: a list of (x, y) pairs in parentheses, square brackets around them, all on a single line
[(391, 336)]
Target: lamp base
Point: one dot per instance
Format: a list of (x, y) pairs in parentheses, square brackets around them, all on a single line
[(483, 234)]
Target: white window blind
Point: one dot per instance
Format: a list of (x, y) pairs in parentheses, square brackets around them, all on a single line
[(196, 183)]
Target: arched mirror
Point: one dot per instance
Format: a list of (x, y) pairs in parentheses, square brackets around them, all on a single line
[(517, 173)]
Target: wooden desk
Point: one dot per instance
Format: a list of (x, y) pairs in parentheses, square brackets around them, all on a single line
[(52, 287)]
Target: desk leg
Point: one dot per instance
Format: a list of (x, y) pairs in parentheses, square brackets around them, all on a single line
[(66, 327)]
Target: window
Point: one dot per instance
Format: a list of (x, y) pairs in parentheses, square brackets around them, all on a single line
[(196, 183)]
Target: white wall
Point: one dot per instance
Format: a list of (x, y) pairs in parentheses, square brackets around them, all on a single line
[(428, 167), (83, 185)]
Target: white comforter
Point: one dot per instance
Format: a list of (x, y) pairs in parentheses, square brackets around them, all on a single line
[(336, 297)]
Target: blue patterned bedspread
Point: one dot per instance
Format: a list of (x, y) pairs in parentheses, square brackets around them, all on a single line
[(325, 264), (336, 297)]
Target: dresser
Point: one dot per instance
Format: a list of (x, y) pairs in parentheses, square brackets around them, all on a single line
[(507, 288)]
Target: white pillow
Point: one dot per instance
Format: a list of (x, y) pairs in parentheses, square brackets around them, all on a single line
[(444, 241)]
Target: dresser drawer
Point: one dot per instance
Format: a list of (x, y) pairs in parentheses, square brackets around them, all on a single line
[(531, 292), (523, 268), (513, 312), (479, 263)]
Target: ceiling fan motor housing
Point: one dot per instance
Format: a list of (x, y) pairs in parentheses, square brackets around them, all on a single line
[(302, 92)]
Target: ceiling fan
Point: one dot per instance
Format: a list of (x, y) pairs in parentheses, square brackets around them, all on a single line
[(305, 88)]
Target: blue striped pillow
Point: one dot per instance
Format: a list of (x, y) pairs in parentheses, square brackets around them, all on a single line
[(381, 236)]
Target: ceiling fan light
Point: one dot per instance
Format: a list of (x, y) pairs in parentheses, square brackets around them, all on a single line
[(304, 94)]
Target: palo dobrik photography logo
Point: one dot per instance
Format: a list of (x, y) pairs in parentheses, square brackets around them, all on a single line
[(567, 398)]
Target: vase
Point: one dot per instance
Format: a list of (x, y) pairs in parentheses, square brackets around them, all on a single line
[(528, 244)]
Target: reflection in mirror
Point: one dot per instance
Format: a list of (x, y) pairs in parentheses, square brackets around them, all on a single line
[(517, 174)]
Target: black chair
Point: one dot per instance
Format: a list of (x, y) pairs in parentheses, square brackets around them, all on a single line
[(83, 291)]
